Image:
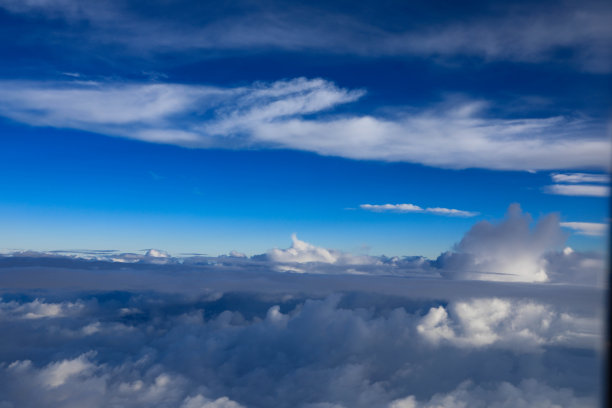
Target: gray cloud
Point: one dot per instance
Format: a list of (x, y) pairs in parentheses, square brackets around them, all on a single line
[(257, 350), (513, 32)]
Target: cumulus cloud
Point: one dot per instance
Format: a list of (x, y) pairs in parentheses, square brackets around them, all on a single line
[(293, 114), (508, 251), (303, 252), (252, 349), (407, 208), (503, 323), (512, 250)]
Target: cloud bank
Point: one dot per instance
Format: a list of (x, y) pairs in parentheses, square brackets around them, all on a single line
[(256, 350), (296, 114), (514, 249), (482, 325)]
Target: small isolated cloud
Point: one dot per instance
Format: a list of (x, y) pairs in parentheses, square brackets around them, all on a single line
[(595, 229), (580, 178), (411, 208), (584, 190)]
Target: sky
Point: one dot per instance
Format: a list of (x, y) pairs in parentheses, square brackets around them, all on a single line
[(304, 204), (199, 128)]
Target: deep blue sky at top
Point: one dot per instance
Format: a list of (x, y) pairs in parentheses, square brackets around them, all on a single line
[(66, 181)]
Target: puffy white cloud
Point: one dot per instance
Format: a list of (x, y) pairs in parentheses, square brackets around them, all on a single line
[(406, 208), (508, 251), (586, 190), (303, 252), (257, 350), (455, 134), (503, 323)]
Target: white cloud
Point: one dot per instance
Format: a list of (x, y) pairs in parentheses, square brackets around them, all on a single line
[(303, 252), (508, 251), (507, 324), (595, 229), (585, 190), (455, 134), (405, 208), (579, 178), (56, 374)]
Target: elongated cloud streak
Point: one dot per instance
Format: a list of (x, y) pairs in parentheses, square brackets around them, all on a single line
[(595, 229), (580, 178), (585, 190), (292, 114), (411, 208)]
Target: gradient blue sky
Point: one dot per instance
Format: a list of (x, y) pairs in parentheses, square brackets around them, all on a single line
[(208, 128)]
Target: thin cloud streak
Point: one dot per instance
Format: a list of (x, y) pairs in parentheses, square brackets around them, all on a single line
[(579, 178), (411, 208), (594, 229), (584, 190)]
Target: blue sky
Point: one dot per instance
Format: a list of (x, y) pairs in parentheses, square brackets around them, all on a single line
[(200, 128), (322, 204)]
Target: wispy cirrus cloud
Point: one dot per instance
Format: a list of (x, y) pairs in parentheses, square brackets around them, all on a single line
[(411, 208), (298, 114), (515, 32)]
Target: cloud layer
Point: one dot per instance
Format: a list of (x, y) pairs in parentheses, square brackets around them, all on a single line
[(574, 33), (480, 326), (293, 114), (256, 350)]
